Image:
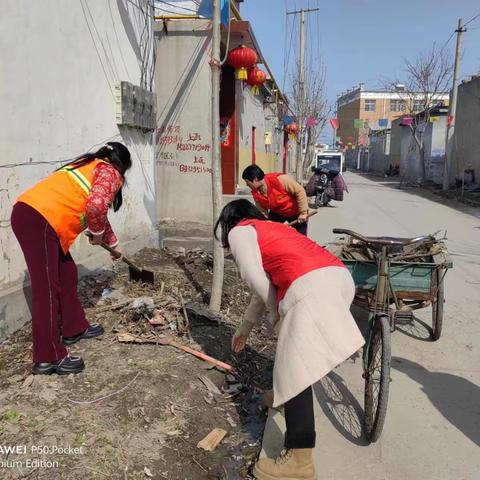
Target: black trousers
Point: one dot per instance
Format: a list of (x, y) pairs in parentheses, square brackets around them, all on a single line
[(299, 227), (300, 421)]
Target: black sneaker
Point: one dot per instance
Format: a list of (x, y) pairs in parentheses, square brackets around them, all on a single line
[(65, 366), (94, 330)]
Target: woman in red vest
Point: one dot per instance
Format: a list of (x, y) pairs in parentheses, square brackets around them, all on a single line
[(46, 220), (308, 292), (279, 196)]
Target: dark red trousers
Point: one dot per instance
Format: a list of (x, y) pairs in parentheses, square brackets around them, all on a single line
[(56, 309)]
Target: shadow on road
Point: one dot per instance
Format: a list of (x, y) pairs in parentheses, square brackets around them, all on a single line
[(416, 329), (456, 398), (341, 408)]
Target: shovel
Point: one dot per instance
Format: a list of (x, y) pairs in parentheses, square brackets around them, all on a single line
[(136, 273)]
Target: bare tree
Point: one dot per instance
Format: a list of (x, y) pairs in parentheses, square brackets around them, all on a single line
[(315, 107), (421, 86)]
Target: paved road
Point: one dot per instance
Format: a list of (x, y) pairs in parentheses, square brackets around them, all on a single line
[(432, 430)]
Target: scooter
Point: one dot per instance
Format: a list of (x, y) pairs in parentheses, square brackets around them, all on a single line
[(326, 185)]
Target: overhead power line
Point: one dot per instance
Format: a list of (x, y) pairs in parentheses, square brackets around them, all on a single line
[(472, 19)]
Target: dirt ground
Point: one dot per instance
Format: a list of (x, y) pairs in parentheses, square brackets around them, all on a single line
[(139, 410)]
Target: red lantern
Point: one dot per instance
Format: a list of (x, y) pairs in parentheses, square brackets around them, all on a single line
[(256, 77), (242, 58)]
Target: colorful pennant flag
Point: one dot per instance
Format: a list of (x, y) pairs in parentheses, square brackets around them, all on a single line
[(357, 123), (287, 120), (334, 123), (407, 121), (451, 120), (434, 119), (383, 122), (311, 122)]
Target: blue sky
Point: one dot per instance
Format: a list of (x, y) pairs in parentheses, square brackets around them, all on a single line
[(363, 40)]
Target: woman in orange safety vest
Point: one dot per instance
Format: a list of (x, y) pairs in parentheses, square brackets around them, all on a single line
[(46, 220)]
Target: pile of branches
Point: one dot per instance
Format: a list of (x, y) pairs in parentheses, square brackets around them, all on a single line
[(423, 251)]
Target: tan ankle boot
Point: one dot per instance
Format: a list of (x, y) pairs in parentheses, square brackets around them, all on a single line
[(294, 464)]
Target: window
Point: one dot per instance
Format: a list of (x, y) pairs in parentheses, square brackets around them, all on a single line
[(398, 105), (418, 105), (370, 105)]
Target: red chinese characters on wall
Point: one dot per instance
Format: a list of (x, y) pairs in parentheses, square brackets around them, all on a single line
[(173, 144)]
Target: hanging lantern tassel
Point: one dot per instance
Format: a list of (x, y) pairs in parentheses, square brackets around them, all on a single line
[(255, 90), (291, 136), (242, 74)]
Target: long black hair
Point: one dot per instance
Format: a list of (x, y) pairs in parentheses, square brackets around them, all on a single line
[(233, 213), (114, 153)]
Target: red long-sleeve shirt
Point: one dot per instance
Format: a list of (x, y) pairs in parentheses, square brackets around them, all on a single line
[(107, 180)]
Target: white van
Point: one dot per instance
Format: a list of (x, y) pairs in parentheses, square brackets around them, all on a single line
[(331, 159)]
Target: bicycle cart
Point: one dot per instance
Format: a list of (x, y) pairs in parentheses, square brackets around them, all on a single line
[(393, 278)]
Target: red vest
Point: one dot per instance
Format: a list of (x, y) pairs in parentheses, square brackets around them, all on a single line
[(287, 254), (278, 200)]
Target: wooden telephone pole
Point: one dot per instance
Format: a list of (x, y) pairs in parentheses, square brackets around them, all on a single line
[(452, 108)]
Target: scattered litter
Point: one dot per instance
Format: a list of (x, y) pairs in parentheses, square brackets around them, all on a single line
[(212, 388), (231, 421), (212, 440), (158, 318), (28, 381), (201, 315), (233, 388), (142, 302), (147, 472)]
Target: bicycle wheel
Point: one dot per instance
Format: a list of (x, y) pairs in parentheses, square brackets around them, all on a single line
[(377, 378), (437, 305)]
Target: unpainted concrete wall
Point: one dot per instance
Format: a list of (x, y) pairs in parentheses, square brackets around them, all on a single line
[(184, 135), (434, 148), (467, 129), (253, 114), (59, 64), (379, 158)]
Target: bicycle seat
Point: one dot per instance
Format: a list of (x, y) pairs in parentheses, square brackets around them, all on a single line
[(376, 243)]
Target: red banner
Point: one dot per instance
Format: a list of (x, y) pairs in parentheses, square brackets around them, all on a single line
[(334, 123)]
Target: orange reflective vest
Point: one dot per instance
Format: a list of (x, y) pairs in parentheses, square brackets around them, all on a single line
[(278, 200), (61, 199)]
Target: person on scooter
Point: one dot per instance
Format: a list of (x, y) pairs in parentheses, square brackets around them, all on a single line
[(279, 196), (308, 292)]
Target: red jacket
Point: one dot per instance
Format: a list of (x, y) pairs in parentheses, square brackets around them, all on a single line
[(278, 200), (287, 254)]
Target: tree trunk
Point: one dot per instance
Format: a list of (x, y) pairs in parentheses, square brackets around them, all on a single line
[(218, 257)]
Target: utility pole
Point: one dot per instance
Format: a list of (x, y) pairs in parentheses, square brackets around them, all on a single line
[(218, 257), (301, 91), (452, 108)]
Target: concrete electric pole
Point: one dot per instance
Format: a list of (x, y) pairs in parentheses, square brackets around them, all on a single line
[(301, 91), (218, 258), (452, 108)]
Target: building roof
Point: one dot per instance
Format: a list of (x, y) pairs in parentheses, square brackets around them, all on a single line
[(361, 92)]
